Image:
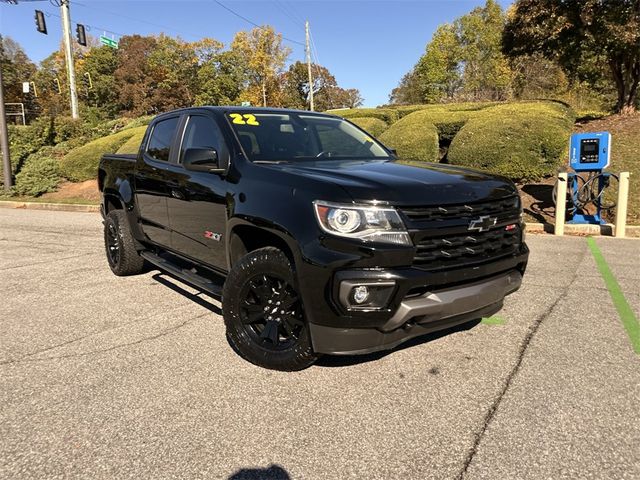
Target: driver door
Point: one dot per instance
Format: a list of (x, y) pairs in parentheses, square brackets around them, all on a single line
[(197, 203)]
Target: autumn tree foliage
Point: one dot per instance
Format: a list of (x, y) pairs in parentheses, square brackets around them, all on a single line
[(150, 74), (463, 61), (583, 36)]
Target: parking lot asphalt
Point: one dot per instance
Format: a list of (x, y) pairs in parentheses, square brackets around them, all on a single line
[(107, 377)]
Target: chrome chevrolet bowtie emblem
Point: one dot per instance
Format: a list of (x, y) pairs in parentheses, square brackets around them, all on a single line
[(482, 223)]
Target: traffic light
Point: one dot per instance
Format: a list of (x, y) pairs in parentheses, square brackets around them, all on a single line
[(81, 35), (41, 25)]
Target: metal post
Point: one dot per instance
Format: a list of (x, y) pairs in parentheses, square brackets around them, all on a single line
[(68, 49), (4, 141), (308, 51), (561, 204), (621, 206)]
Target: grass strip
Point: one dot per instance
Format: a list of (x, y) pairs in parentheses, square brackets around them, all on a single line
[(628, 318), (495, 320)]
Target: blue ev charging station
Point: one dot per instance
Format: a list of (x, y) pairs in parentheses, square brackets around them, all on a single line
[(589, 153)]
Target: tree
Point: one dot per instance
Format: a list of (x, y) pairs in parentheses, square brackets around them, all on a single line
[(486, 72), (51, 82), (174, 66), (438, 70), (582, 32), (408, 90), (16, 68), (221, 79), (340, 97), (133, 76), (265, 59), (537, 77), (99, 64), (462, 60), (296, 86)]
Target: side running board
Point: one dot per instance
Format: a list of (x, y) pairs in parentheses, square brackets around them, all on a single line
[(186, 275)]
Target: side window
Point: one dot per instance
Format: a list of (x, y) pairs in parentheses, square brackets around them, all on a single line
[(201, 132), (159, 145)]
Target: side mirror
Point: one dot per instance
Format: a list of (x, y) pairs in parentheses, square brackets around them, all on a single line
[(201, 160), (394, 151)]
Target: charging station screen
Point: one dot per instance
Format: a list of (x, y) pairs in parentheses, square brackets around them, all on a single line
[(589, 151)]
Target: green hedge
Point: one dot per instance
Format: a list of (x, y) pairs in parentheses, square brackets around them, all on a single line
[(82, 163), (39, 174), (414, 137), (374, 126), (387, 115), (133, 144), (523, 141)]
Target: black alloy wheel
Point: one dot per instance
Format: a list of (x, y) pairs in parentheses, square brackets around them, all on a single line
[(113, 245), (271, 309), (264, 312)]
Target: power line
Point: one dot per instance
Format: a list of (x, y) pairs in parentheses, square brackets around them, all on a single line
[(51, 14), (253, 23), (293, 11), (286, 12), (137, 20)]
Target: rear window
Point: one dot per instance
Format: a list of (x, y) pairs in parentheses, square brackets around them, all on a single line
[(159, 146)]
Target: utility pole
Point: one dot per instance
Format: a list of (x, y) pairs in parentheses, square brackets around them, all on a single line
[(308, 50), (68, 50), (4, 140)]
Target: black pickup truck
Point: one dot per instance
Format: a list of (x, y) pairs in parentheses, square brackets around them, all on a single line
[(317, 238)]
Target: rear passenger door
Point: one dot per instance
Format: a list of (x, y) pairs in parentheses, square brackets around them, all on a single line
[(198, 204), (151, 178)]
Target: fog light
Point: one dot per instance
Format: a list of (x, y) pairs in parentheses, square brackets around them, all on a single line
[(360, 294), (366, 294)]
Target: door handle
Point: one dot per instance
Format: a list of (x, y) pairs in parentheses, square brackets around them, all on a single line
[(175, 193)]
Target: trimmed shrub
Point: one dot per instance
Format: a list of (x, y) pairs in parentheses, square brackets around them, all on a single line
[(522, 141), (133, 144), (82, 163), (374, 126), (387, 115), (66, 128), (405, 110), (40, 174), (414, 137)]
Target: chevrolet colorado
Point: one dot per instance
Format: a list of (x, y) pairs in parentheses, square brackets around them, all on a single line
[(317, 238)]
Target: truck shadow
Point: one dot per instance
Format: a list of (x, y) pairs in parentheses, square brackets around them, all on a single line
[(349, 360), (198, 298), (273, 472)]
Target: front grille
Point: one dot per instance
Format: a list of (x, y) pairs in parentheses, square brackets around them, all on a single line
[(455, 250), (509, 206)]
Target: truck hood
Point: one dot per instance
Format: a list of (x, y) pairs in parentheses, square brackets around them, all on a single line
[(405, 182)]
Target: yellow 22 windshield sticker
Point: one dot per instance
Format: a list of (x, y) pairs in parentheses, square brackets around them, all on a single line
[(244, 119)]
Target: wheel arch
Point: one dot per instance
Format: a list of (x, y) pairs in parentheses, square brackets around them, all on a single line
[(246, 237)]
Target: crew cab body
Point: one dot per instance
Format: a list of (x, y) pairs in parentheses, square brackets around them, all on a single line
[(458, 252)]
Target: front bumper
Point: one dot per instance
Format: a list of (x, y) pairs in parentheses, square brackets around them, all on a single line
[(432, 311)]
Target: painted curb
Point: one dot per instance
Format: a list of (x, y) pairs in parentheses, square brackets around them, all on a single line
[(60, 207), (608, 230)]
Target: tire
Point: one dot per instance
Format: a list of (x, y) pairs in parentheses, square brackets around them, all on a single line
[(263, 312), (120, 246)]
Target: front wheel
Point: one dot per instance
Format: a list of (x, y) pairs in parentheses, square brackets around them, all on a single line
[(263, 312)]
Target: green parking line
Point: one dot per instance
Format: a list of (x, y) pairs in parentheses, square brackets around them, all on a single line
[(628, 318), (493, 321)]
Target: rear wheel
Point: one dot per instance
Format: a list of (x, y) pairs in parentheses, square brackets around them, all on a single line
[(263, 312), (120, 246)]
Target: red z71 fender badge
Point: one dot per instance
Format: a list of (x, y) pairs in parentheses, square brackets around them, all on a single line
[(212, 235)]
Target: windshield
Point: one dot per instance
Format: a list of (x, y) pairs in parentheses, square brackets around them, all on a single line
[(298, 137)]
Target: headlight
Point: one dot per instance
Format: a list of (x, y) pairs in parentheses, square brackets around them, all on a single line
[(367, 223)]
